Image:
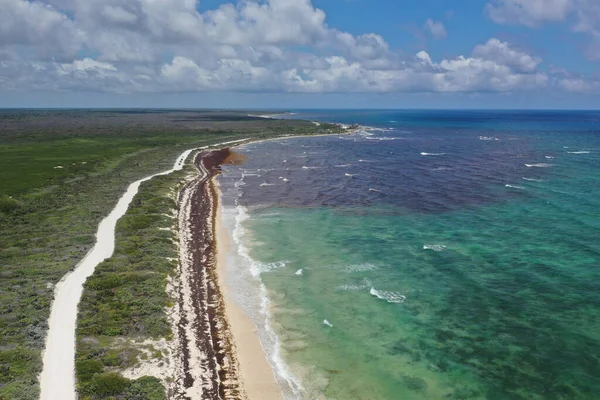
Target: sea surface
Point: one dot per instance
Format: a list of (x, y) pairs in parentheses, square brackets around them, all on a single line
[(442, 255)]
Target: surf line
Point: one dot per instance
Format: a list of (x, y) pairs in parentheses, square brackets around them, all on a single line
[(57, 379)]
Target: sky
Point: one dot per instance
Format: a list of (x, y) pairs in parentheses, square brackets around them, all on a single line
[(300, 53)]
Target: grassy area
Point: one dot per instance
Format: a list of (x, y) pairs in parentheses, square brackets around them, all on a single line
[(48, 219), (125, 300)]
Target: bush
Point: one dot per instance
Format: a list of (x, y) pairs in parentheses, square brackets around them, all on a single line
[(86, 369), (8, 204), (146, 388), (108, 384)]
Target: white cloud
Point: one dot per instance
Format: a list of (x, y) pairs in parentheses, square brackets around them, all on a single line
[(272, 45), (44, 30), (528, 12), (534, 13), (501, 53), (435, 29)]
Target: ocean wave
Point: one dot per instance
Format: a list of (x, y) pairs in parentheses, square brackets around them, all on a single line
[(549, 157), (531, 179), (488, 138), (434, 247), (343, 165), (366, 284), (390, 297), (350, 175), (384, 138), (363, 160), (325, 322), (579, 152), (432, 154), (514, 187), (267, 184), (305, 167), (382, 129), (272, 343), (374, 190), (299, 272), (284, 179), (262, 268), (539, 165), (356, 267)]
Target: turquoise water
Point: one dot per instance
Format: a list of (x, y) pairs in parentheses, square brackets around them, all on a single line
[(397, 275)]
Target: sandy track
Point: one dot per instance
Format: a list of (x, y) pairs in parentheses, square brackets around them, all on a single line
[(57, 379)]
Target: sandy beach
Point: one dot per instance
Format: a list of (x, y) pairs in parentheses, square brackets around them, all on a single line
[(256, 373), (221, 356)]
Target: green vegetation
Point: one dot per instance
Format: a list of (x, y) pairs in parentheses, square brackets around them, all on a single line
[(49, 216), (125, 300)]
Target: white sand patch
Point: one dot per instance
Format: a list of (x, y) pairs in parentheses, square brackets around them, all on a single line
[(161, 368)]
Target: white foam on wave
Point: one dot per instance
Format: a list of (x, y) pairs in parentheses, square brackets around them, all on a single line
[(432, 154), (305, 167), (299, 272), (384, 138), (488, 138), (267, 184), (531, 179), (579, 152), (327, 323), (270, 340), (539, 165), (514, 186), (343, 165), (262, 268), (350, 175), (434, 247), (374, 190), (382, 129), (549, 157), (390, 297), (363, 160), (355, 287), (284, 179), (356, 267)]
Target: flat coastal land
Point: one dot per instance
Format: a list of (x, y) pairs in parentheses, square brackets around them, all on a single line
[(63, 171)]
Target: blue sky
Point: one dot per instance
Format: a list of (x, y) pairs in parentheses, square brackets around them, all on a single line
[(300, 53)]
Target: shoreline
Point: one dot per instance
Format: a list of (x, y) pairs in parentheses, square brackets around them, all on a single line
[(257, 375), (220, 353)]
